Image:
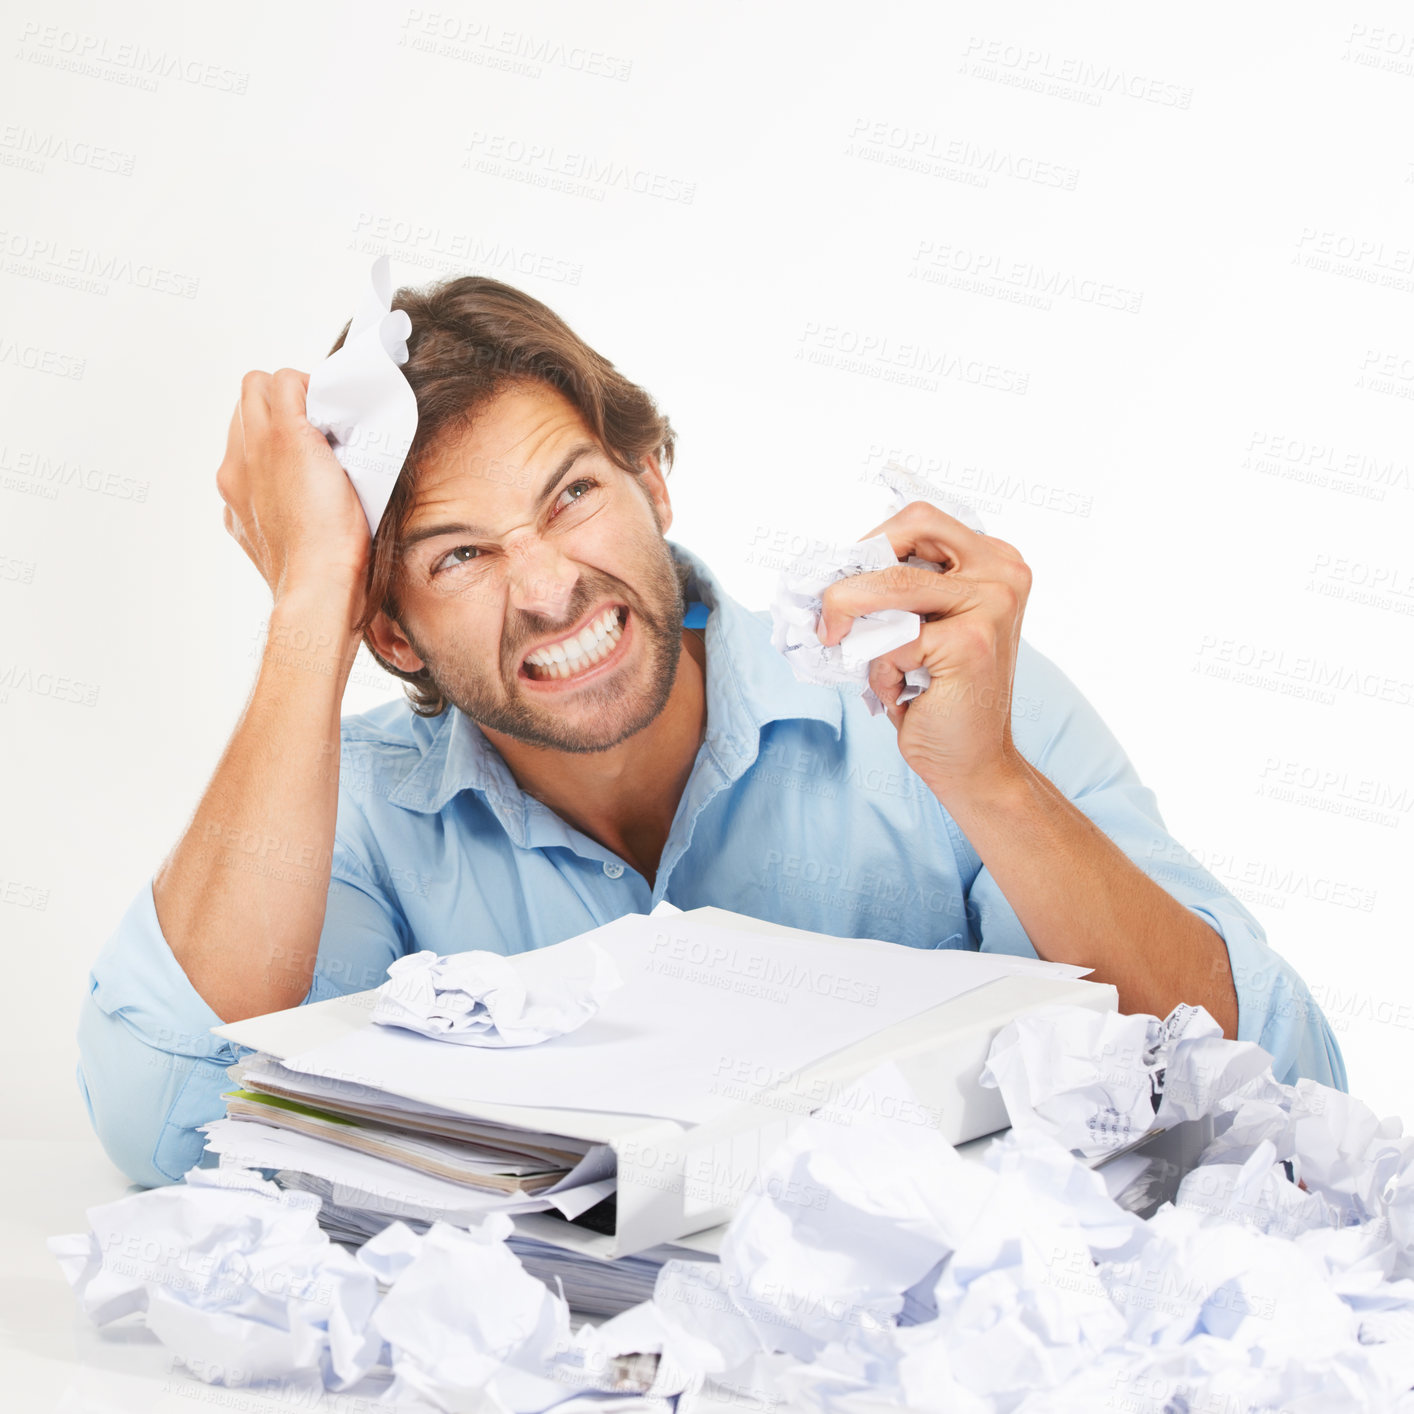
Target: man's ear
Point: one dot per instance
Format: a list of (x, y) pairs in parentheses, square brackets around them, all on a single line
[(655, 487), (391, 644)]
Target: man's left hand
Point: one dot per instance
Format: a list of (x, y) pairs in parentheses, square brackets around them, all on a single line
[(956, 734)]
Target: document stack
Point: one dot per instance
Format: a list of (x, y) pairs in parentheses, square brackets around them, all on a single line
[(634, 1137)]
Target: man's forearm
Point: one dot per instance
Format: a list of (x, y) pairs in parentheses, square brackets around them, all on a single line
[(1082, 900), (241, 898)]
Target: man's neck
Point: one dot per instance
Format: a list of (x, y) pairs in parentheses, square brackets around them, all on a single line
[(624, 797)]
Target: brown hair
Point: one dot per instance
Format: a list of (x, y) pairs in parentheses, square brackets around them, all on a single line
[(471, 338)]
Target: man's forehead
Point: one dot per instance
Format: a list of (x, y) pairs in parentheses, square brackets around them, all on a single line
[(519, 432)]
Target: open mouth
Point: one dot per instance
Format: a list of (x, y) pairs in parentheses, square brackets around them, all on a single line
[(579, 654)]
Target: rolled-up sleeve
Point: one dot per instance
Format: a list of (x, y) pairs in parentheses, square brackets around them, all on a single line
[(150, 1070), (1062, 735)]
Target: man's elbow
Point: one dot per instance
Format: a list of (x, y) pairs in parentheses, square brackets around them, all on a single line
[(1220, 989), (133, 1094)]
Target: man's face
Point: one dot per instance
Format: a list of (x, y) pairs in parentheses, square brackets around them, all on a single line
[(535, 583)]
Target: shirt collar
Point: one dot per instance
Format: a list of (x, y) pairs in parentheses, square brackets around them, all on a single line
[(748, 685)]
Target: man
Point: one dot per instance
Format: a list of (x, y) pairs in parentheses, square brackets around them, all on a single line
[(578, 745)]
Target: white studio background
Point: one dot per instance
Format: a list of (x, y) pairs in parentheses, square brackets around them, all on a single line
[(1140, 284)]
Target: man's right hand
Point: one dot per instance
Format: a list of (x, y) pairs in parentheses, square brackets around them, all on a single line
[(289, 504)]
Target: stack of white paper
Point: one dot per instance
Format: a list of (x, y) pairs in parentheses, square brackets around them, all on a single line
[(389, 1124), (696, 998), (592, 1285)]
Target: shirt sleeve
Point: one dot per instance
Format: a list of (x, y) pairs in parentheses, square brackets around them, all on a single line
[(150, 1071), (1062, 735)]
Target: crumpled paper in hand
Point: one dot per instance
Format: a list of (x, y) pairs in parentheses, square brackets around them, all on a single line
[(796, 608), (481, 998), (359, 398)]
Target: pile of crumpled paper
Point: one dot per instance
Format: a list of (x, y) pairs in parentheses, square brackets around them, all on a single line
[(480, 998), (871, 1267)]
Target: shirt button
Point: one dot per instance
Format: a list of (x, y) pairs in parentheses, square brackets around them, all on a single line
[(613, 868)]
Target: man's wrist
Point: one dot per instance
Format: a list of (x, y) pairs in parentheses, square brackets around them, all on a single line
[(331, 608), (1003, 786), (314, 628)]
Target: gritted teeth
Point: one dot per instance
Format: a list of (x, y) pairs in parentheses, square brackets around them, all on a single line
[(579, 651)]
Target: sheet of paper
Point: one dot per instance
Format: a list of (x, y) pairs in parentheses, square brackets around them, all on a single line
[(467, 1160), (359, 398), (388, 1187), (703, 1011), (266, 1073)]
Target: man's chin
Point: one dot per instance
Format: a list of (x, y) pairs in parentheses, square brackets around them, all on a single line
[(595, 719), (598, 736)]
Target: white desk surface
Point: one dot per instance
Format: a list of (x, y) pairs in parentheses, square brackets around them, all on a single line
[(53, 1357)]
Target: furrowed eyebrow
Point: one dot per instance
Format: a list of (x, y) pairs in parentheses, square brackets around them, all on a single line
[(547, 489)]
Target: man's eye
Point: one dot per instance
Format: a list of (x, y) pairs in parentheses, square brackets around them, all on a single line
[(588, 482), (447, 561)]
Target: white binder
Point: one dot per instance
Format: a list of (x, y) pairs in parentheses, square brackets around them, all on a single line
[(674, 1179)]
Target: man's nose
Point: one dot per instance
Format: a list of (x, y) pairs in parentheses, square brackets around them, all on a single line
[(540, 579)]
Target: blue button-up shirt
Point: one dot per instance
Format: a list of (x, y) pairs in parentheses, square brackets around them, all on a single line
[(799, 809)]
